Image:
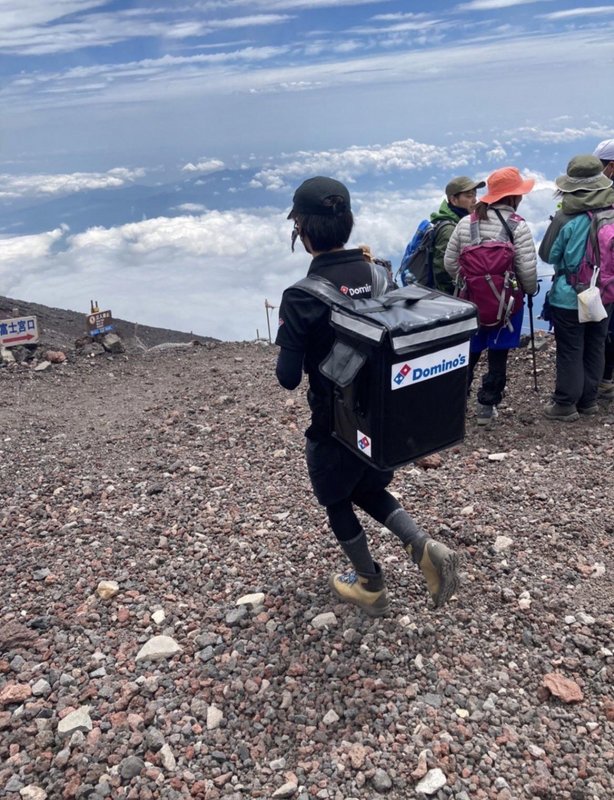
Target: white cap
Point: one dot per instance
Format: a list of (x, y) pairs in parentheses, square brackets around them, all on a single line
[(605, 150)]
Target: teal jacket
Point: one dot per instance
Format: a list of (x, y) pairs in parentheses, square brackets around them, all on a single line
[(565, 240), (448, 221)]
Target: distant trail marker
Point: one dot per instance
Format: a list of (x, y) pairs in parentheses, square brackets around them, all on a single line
[(19, 330), (99, 323)]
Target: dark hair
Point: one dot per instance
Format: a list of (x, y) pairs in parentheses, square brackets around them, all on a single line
[(481, 209), (326, 232)]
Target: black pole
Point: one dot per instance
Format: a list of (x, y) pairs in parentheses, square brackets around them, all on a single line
[(530, 304)]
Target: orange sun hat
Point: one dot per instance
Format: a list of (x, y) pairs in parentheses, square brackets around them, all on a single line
[(505, 182)]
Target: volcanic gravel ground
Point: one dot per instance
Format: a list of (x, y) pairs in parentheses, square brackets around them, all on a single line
[(179, 475)]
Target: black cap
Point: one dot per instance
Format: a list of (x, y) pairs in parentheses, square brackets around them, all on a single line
[(310, 196)]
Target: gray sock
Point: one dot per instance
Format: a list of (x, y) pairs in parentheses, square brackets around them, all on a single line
[(403, 526), (357, 550)]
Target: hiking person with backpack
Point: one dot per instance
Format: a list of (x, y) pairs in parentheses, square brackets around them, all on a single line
[(568, 244), (423, 257), (605, 153), (323, 222), (491, 255)]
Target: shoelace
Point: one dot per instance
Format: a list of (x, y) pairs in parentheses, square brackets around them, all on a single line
[(349, 577)]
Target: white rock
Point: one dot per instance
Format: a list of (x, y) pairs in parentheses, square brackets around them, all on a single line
[(254, 599), (525, 600), (214, 717), (497, 456), (107, 589), (502, 543), (598, 570), (569, 620), (287, 790), (463, 713), (585, 619), (157, 648), (33, 793), (432, 782), (167, 758), (78, 720), (467, 511), (330, 717), (158, 616), (324, 620), (41, 688), (42, 366)]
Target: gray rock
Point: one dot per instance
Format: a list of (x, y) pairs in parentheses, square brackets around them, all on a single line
[(235, 615), (130, 767), (381, 781), (154, 739)]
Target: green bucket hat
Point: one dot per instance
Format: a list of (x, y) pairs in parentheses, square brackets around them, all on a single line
[(583, 172)]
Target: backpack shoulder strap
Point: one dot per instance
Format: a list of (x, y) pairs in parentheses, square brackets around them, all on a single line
[(509, 225), (323, 289), (379, 279), (474, 228)]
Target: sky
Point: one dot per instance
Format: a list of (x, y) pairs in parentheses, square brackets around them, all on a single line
[(149, 151)]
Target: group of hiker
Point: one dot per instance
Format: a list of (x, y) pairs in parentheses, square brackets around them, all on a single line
[(462, 231), (585, 349)]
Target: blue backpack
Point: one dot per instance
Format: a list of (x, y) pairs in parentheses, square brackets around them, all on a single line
[(417, 262)]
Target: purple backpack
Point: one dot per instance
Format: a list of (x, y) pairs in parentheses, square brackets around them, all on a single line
[(599, 253), (487, 276)]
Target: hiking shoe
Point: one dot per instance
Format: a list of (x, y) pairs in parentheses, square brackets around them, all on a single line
[(439, 566), (365, 591), (486, 414), (606, 390), (561, 413), (588, 410)]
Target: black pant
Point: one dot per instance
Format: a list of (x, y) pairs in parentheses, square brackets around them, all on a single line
[(580, 358), (493, 382)]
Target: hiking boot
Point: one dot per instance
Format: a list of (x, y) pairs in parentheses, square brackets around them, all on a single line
[(485, 414), (556, 411), (606, 390), (365, 591), (439, 566), (588, 410)]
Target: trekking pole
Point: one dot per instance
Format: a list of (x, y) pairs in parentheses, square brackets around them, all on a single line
[(532, 329)]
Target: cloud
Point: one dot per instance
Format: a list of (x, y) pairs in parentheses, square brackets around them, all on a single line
[(579, 12), (224, 264), (204, 165), (45, 33), (62, 184), (492, 5)]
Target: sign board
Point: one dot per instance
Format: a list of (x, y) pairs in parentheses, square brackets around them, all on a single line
[(100, 322), (19, 330)]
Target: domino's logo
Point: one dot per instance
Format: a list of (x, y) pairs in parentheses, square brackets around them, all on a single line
[(433, 365), (363, 442), (401, 374)]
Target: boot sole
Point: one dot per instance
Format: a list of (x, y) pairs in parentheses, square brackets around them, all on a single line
[(568, 418), (448, 575), (370, 611)]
